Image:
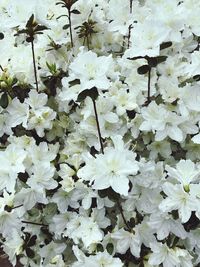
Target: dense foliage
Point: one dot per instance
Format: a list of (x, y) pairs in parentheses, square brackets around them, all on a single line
[(99, 132)]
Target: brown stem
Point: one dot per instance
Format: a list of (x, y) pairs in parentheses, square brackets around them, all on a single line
[(34, 65), (149, 86), (122, 214), (40, 224), (88, 42), (70, 27), (16, 207), (130, 26), (98, 126), (131, 6)]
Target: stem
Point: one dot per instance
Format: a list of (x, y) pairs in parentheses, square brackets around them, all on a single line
[(70, 28), (19, 206), (122, 214), (149, 86), (34, 65), (130, 26), (98, 127), (129, 34), (131, 6), (1, 68), (40, 224), (88, 42)]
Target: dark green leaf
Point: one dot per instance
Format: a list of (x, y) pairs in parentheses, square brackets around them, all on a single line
[(22, 31), (75, 11), (110, 193), (30, 253), (143, 69), (165, 45), (152, 61), (4, 100), (39, 28), (1, 36), (30, 21), (161, 59), (99, 248), (66, 26), (110, 248), (32, 241), (74, 82), (92, 93), (196, 77), (131, 114)]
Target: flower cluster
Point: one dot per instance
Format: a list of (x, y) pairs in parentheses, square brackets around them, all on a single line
[(99, 133)]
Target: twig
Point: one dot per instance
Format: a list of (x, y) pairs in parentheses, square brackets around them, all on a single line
[(98, 126), (34, 65), (39, 224), (122, 214), (149, 86), (70, 27)]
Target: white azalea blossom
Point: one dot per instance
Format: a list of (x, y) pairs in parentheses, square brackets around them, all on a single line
[(114, 166), (91, 70), (100, 133)]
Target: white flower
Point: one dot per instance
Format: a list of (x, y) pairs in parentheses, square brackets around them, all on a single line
[(91, 70), (164, 122), (41, 119), (101, 259), (13, 246), (126, 240), (163, 254), (36, 100), (164, 224), (12, 163), (147, 37), (19, 113), (84, 229), (119, 16), (42, 177), (110, 169), (178, 199), (185, 172), (48, 252), (30, 196), (8, 221)]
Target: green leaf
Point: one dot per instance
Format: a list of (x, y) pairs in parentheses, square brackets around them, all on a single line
[(99, 248), (30, 253), (66, 26), (1, 36), (110, 248), (165, 45), (30, 21), (110, 193), (22, 31), (161, 59), (75, 11), (143, 69), (39, 28), (32, 241), (196, 77), (74, 82), (92, 93), (4, 100), (152, 61)]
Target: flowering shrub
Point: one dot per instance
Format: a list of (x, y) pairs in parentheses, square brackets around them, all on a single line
[(99, 133)]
